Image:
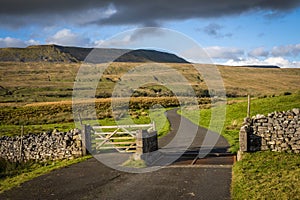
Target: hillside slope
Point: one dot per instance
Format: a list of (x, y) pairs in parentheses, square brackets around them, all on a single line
[(55, 53), (46, 81)]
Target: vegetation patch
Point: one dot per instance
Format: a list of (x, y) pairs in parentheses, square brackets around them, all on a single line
[(132, 163), (267, 175), (43, 117)]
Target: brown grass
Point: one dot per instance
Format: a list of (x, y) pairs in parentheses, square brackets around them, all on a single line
[(52, 82), (259, 81)]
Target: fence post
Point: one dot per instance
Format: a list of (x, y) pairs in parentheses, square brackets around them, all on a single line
[(21, 143), (80, 121), (86, 139), (153, 125)]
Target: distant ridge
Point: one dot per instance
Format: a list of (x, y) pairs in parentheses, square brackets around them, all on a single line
[(254, 66), (261, 66), (56, 53)]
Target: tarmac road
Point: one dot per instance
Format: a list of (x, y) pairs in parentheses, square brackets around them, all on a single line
[(93, 180)]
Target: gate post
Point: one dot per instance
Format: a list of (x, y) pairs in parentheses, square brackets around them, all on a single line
[(243, 139), (145, 143), (86, 139), (139, 145)]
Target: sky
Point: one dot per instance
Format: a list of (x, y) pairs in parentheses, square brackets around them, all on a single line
[(232, 32)]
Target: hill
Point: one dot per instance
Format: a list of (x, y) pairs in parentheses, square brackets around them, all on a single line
[(63, 54), (46, 81), (55, 53)]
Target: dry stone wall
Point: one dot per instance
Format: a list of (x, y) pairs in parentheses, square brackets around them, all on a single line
[(278, 131), (46, 146)]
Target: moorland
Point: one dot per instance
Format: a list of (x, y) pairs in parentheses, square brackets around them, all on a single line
[(37, 93)]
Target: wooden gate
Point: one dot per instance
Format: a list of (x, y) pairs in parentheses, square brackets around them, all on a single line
[(120, 137)]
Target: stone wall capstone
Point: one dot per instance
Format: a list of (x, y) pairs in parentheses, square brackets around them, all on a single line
[(41, 147), (278, 131)]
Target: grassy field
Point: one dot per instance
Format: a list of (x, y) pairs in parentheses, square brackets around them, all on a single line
[(39, 117), (241, 81), (26, 90), (45, 82)]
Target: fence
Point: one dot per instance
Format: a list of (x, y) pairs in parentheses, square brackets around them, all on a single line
[(138, 138)]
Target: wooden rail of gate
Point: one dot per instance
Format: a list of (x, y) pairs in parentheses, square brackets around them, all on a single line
[(120, 137)]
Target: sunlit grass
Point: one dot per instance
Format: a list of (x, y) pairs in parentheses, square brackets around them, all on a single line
[(267, 175)]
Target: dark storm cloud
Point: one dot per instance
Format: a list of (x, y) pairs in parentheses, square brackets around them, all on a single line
[(30, 7), (154, 12), (134, 12)]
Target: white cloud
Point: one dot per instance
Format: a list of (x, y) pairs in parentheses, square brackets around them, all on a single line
[(258, 56), (119, 42), (98, 43), (287, 50), (67, 38), (217, 52), (212, 54), (258, 52), (11, 42), (129, 39), (281, 62), (195, 55), (237, 57), (15, 42), (278, 61), (32, 42)]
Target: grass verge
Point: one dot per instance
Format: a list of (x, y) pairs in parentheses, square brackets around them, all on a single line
[(9, 180), (267, 175)]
